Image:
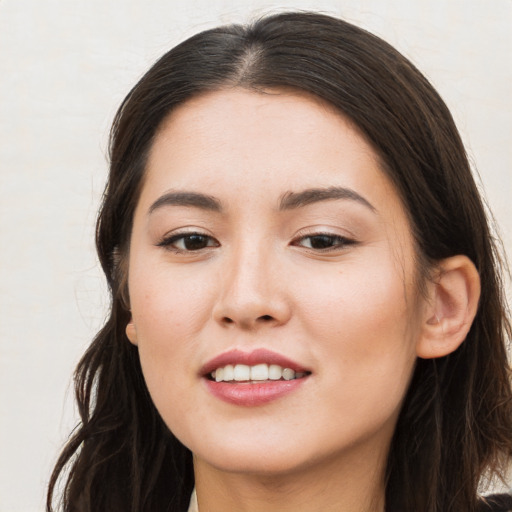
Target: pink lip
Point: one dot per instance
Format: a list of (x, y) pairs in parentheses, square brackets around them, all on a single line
[(257, 356), (250, 394)]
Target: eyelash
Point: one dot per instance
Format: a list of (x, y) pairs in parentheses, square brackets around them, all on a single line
[(338, 242), (168, 242)]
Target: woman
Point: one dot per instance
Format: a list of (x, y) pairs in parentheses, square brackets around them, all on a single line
[(307, 310)]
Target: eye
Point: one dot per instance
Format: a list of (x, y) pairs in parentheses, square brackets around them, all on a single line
[(323, 242), (188, 242)]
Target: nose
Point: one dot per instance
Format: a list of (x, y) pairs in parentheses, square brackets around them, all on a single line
[(252, 292)]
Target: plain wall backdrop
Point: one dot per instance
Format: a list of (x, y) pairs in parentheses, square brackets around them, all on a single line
[(65, 65)]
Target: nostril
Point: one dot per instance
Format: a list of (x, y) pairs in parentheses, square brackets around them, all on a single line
[(248, 323)]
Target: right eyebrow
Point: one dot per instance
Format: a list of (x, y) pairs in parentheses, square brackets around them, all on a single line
[(293, 200), (184, 198)]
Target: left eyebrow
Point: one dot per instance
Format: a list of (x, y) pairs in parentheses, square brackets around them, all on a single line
[(292, 200), (190, 199)]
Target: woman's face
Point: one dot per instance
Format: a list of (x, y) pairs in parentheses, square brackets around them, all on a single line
[(268, 244)]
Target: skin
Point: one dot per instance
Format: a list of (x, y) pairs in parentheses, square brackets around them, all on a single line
[(351, 313)]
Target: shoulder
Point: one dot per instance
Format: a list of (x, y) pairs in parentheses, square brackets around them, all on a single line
[(496, 503)]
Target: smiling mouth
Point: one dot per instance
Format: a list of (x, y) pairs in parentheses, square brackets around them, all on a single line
[(255, 378), (256, 374)]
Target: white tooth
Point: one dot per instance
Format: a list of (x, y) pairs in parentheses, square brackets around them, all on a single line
[(299, 375), (228, 372), (212, 375), (275, 372), (242, 372), (259, 372), (288, 374), (219, 372)]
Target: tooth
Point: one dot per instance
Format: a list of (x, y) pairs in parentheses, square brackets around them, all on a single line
[(288, 374), (228, 372), (242, 372), (259, 372), (275, 372)]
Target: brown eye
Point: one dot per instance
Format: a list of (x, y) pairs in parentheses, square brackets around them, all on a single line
[(194, 242), (324, 242), (185, 242)]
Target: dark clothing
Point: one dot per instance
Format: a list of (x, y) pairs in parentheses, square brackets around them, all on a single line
[(496, 503)]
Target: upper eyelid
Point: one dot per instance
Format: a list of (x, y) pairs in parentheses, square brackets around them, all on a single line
[(186, 231), (309, 232)]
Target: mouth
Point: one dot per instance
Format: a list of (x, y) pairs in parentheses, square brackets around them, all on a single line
[(252, 378), (256, 374)]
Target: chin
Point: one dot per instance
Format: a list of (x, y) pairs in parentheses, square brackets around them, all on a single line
[(253, 462)]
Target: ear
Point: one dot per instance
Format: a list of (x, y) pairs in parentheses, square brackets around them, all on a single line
[(450, 309), (131, 332)]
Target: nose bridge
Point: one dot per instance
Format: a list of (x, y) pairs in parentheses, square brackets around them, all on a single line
[(248, 274), (250, 292)]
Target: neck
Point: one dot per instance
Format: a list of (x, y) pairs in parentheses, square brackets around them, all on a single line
[(354, 484)]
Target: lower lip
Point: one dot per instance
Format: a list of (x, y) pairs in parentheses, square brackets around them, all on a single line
[(249, 394)]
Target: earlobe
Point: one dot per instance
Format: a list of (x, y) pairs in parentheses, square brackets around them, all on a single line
[(131, 332), (451, 308)]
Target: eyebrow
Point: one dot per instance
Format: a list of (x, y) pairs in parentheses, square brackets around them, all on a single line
[(289, 201), (292, 200), (194, 199)]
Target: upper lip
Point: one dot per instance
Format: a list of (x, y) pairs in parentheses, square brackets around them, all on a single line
[(252, 358)]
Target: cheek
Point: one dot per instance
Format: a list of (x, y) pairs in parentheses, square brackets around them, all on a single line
[(167, 324), (364, 322), (168, 304), (373, 297), (168, 312)]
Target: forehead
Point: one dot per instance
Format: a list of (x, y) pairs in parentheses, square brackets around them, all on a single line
[(240, 113), (251, 138)]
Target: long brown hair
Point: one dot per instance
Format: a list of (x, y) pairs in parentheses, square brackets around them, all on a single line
[(456, 421)]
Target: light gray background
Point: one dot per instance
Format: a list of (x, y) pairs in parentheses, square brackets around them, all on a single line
[(64, 67)]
